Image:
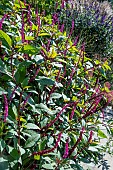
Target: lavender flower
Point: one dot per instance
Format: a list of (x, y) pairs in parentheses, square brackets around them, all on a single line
[(6, 107)]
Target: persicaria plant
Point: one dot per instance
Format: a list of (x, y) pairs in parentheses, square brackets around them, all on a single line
[(50, 94)]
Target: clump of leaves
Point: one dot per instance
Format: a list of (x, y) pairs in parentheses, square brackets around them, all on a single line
[(50, 95)]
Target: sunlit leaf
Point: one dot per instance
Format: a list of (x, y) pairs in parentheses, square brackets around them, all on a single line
[(6, 40)]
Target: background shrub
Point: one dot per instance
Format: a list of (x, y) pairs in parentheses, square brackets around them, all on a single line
[(93, 23)]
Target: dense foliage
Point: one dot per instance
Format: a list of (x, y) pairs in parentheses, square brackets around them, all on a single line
[(51, 97)]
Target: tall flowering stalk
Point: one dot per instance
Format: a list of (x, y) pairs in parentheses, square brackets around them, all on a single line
[(57, 117), (49, 150), (29, 17), (86, 145), (22, 29), (77, 142), (93, 108), (5, 107)]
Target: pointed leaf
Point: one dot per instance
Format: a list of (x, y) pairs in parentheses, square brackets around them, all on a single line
[(6, 40)]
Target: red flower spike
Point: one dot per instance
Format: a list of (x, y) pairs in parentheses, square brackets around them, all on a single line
[(49, 150)]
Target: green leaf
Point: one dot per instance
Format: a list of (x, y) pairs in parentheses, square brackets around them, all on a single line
[(20, 74), (43, 34), (111, 131), (42, 144), (6, 40), (44, 108), (29, 49), (56, 95), (101, 134), (32, 126), (37, 157), (2, 145), (47, 166), (2, 91), (31, 141), (29, 37), (93, 149), (25, 82), (15, 154), (45, 81), (85, 160), (3, 164)]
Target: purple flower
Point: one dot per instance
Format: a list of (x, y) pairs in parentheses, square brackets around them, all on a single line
[(6, 107), (66, 149)]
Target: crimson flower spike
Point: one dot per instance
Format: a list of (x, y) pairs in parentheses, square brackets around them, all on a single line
[(71, 76), (83, 148), (29, 17), (62, 5), (2, 20), (49, 150), (90, 136), (77, 142), (66, 149), (25, 101), (22, 29), (93, 109), (57, 117), (73, 110), (6, 107)]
